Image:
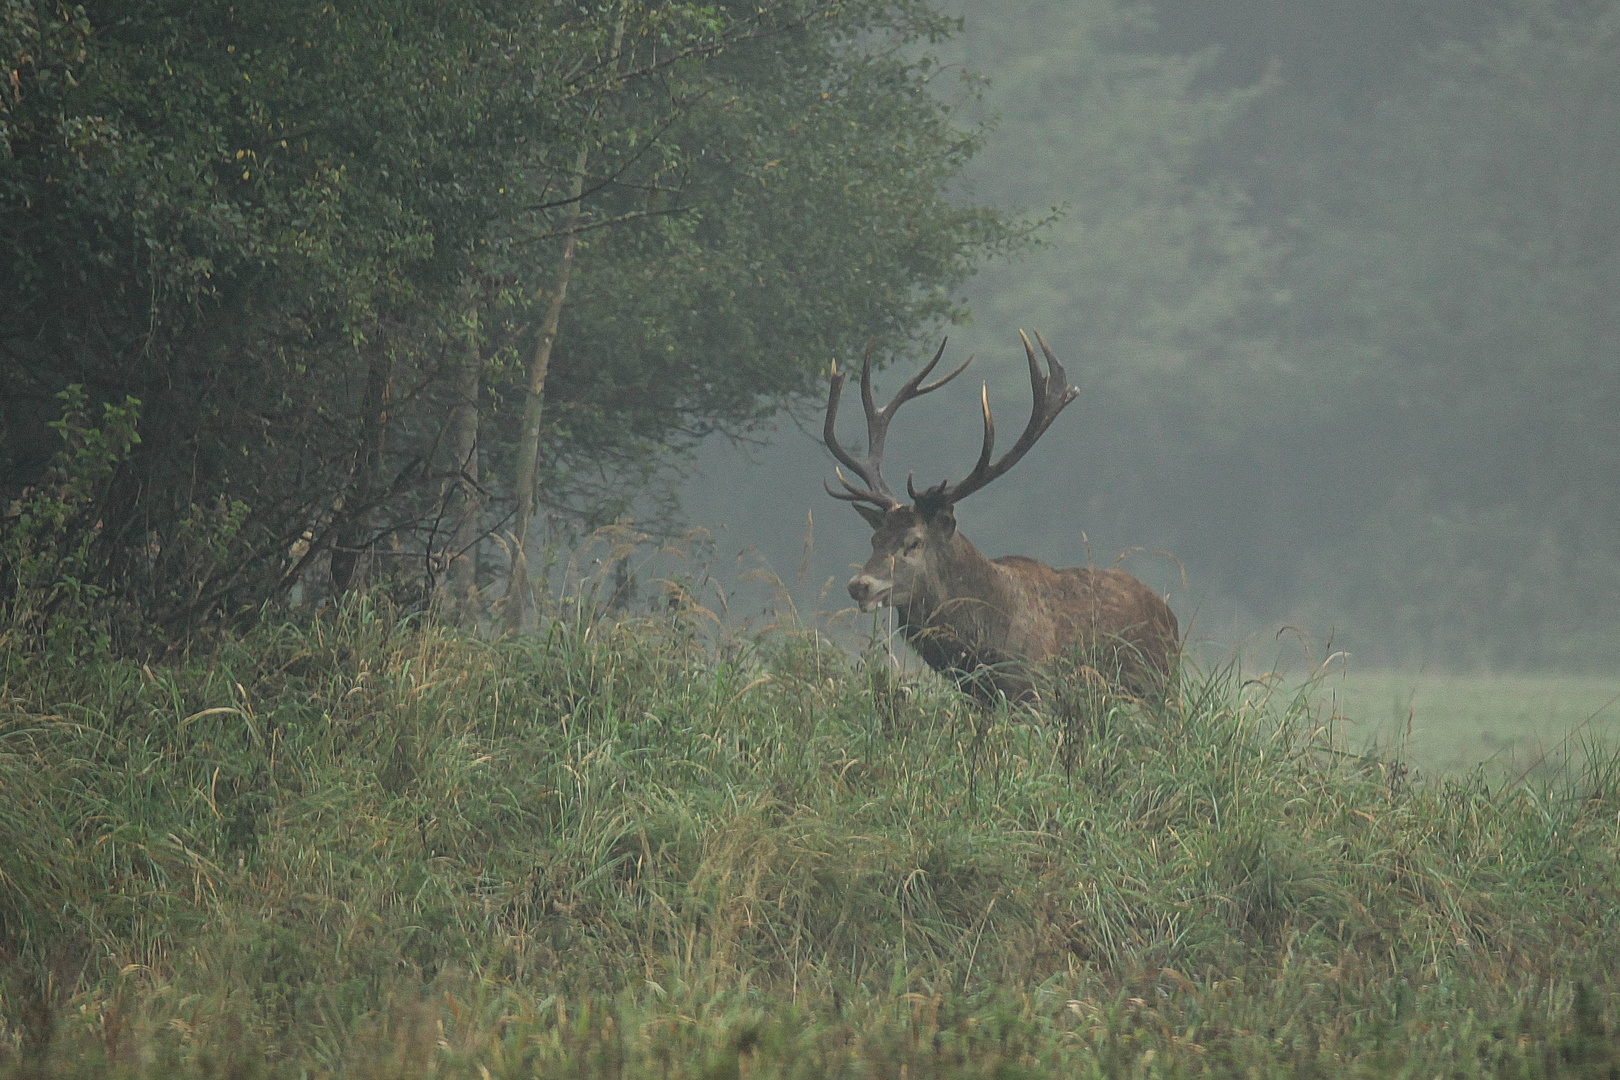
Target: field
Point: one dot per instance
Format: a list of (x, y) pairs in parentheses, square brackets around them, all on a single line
[(1453, 723), (365, 845)]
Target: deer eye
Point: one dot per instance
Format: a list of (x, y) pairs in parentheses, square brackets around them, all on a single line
[(913, 545)]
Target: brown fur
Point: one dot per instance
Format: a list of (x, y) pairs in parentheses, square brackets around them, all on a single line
[(990, 623)]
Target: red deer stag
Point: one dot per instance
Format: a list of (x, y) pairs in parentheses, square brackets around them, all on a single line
[(989, 623)]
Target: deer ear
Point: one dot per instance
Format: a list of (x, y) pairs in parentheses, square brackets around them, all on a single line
[(944, 520), (873, 515)]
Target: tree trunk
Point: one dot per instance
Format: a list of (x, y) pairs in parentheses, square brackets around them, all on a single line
[(353, 535), (462, 499), (520, 591)]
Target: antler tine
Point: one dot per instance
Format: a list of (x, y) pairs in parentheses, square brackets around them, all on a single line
[(989, 442), (911, 389), (877, 420), (1036, 379), (877, 427), (1051, 393), (851, 493), (1056, 369), (867, 404), (875, 492)]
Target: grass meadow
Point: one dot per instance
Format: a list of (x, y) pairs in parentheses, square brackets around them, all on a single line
[(1508, 723), (362, 844)]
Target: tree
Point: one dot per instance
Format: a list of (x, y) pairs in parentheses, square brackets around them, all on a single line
[(266, 228), (803, 215)]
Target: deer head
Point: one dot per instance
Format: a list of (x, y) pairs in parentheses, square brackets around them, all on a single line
[(911, 544)]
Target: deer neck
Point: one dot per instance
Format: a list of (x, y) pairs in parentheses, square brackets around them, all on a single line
[(962, 588)]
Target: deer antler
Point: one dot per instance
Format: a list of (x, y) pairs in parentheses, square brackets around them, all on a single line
[(869, 471), (1052, 393)]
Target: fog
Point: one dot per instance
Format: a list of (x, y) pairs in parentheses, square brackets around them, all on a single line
[(1336, 283)]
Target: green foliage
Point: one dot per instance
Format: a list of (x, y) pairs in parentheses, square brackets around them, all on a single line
[(787, 210), (49, 533), (280, 229), (227, 234), (363, 844)]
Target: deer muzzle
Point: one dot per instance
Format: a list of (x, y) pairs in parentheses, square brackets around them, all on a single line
[(870, 592)]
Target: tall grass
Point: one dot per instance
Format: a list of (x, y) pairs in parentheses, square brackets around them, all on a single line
[(363, 844)]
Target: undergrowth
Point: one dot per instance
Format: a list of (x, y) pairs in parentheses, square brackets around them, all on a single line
[(363, 844)]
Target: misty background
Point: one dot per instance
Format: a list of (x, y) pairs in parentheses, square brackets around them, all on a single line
[(1337, 282)]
